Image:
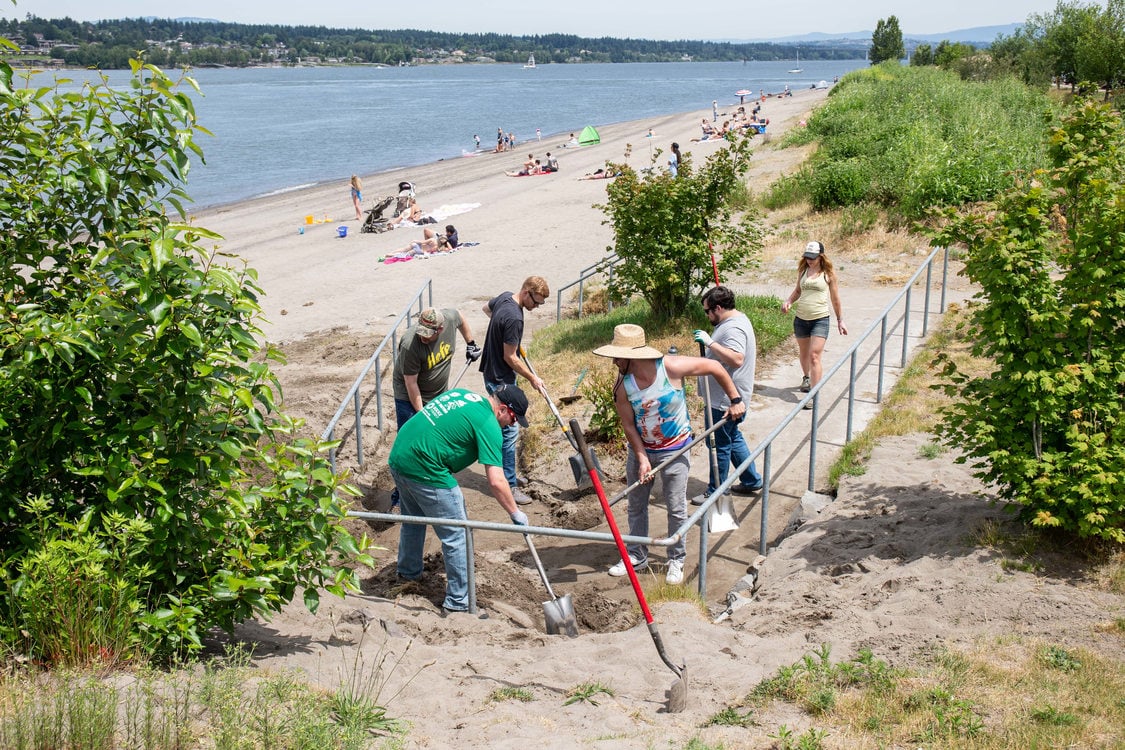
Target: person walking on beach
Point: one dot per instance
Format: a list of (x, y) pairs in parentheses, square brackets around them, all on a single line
[(733, 345), (714, 110), (816, 287), (650, 401), (476, 140), (424, 360), (501, 362), (674, 161), (357, 196), (453, 431)]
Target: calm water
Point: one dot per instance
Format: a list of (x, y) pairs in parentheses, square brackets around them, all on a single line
[(279, 129)]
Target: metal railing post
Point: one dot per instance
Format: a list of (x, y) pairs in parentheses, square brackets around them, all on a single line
[(882, 359), (358, 428), (767, 459), (926, 301), (905, 329), (704, 541), (851, 395), (813, 429)]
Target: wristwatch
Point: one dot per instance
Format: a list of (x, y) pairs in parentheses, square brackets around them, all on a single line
[(734, 401)]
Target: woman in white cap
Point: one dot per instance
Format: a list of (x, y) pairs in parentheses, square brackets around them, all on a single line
[(816, 287)]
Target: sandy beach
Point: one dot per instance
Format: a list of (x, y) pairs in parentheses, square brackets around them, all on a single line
[(890, 565)]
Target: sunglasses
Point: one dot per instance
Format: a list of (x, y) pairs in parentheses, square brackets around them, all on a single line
[(536, 302)]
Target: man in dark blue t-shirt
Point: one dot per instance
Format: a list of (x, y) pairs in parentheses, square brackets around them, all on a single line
[(501, 363)]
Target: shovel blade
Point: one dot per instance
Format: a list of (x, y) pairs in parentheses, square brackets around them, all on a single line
[(678, 694), (581, 475), (559, 617), (721, 517)]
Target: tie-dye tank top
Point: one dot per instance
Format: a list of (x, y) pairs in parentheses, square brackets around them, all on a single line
[(661, 412)]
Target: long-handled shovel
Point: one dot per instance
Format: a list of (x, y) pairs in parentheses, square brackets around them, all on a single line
[(558, 614), (671, 457), (721, 518), (575, 459), (677, 694)]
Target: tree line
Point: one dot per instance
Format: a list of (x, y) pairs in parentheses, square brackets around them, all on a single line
[(110, 44)]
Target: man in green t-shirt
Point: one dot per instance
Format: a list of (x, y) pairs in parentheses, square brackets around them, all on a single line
[(453, 431), (424, 360)]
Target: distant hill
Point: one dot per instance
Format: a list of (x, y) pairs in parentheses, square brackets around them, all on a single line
[(978, 35)]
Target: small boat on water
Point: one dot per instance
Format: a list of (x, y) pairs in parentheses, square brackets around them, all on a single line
[(530, 61), (796, 69)]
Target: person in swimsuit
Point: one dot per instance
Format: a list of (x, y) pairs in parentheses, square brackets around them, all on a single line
[(357, 197)]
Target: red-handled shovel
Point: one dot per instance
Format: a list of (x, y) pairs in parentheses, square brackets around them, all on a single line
[(677, 694)]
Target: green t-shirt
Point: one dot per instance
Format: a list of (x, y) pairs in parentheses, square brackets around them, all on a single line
[(430, 362), (451, 432)]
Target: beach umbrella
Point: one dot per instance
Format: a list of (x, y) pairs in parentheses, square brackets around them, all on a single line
[(741, 93)]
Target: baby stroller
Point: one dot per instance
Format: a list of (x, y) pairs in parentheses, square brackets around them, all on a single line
[(375, 223)]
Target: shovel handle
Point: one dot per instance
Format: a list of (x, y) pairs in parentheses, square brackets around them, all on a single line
[(695, 441), (588, 457), (550, 403)]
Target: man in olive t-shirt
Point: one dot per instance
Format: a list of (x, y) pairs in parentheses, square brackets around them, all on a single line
[(425, 358), (450, 433)]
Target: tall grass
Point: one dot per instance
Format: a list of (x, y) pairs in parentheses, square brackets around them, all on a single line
[(909, 138)]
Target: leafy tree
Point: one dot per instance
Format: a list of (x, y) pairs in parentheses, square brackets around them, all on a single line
[(886, 41), (948, 52), (1101, 47), (1046, 425), (664, 228), (923, 56), (132, 388)]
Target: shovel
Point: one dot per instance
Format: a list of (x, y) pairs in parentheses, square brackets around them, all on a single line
[(558, 614), (574, 395), (677, 694), (721, 518), (575, 459)]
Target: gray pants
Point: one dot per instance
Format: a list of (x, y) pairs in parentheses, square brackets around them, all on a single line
[(673, 479)]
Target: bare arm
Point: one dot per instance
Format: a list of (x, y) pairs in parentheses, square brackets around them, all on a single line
[(629, 427), (834, 293), (512, 357), (500, 489), (679, 368), (792, 295), (412, 391), (726, 355), (466, 331)]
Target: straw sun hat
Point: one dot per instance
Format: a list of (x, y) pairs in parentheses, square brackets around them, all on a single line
[(628, 343)]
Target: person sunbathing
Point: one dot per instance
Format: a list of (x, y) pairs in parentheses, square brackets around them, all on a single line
[(533, 168), (406, 207), (428, 246), (599, 174)]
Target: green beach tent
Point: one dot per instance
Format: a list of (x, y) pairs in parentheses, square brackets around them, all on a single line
[(589, 136)]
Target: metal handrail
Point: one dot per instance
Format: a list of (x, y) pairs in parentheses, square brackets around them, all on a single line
[(763, 448), (352, 395), (605, 264)]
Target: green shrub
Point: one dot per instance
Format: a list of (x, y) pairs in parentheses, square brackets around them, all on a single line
[(132, 387), (1045, 427), (909, 138)]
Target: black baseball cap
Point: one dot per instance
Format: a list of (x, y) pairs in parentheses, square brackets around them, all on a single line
[(513, 397)]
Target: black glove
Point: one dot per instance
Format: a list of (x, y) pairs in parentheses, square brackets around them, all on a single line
[(472, 352)]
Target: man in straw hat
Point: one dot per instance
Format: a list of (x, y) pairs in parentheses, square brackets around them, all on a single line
[(501, 361), (649, 396), (451, 432)]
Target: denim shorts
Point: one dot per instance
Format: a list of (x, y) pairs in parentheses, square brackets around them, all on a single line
[(804, 329)]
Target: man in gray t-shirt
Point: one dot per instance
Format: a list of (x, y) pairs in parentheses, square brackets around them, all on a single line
[(733, 345), (425, 359)]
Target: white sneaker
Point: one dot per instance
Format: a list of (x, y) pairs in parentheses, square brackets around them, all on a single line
[(675, 575), (618, 570)]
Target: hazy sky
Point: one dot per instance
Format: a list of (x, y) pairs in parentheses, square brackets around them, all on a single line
[(647, 19)]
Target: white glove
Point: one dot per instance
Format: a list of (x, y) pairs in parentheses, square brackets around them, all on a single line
[(703, 338), (519, 518)]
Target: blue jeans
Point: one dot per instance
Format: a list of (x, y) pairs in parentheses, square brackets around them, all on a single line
[(673, 480), (730, 450), (438, 502), (508, 448)]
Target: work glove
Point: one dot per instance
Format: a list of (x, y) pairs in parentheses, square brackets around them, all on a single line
[(519, 518), (472, 352), (703, 337)]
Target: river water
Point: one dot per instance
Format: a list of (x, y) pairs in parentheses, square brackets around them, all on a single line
[(280, 129)]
